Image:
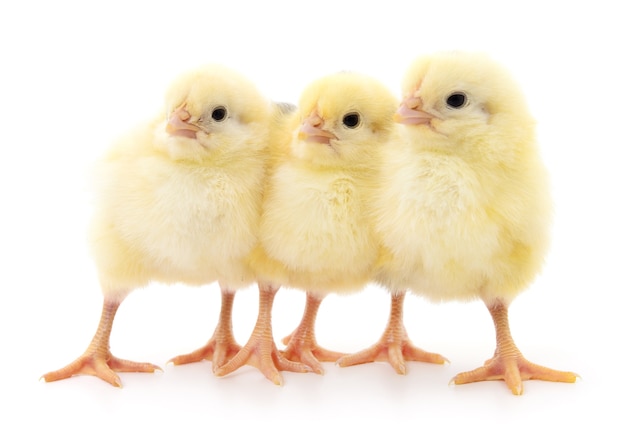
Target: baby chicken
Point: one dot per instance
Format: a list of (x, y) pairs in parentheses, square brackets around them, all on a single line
[(314, 232), (179, 200), (464, 208)]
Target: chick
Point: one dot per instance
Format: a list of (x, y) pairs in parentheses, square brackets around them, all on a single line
[(314, 232), (179, 201), (465, 209)]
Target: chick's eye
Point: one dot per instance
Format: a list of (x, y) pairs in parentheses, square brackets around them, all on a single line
[(218, 114), (456, 100), (351, 120)]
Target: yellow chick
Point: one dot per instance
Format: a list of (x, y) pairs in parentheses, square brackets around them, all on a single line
[(179, 200), (314, 233), (464, 208)]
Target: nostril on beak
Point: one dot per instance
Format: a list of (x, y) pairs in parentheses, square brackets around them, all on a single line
[(413, 102), (182, 113), (315, 120)]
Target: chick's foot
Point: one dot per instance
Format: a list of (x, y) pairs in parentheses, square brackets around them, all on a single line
[(218, 351), (508, 363), (222, 346), (260, 351), (97, 359), (104, 367), (513, 369), (394, 346), (302, 345)]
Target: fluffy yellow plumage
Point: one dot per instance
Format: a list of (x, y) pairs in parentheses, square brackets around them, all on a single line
[(178, 209), (464, 207), (179, 200), (315, 221), (315, 233), (453, 204)]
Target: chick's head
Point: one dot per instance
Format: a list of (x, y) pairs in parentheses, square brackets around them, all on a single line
[(211, 111), (343, 118), (461, 95)]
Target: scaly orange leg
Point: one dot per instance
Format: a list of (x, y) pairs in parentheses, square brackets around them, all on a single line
[(222, 346), (508, 363), (394, 346), (301, 343), (97, 359), (260, 351)]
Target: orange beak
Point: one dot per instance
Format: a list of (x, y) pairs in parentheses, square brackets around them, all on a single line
[(178, 124), (312, 130)]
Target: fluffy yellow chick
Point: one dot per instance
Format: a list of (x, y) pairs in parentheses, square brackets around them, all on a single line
[(314, 232), (464, 208), (179, 200)]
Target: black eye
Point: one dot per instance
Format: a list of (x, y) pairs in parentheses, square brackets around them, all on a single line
[(456, 100), (351, 120), (218, 114)]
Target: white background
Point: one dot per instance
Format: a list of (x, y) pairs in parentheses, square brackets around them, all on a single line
[(75, 76)]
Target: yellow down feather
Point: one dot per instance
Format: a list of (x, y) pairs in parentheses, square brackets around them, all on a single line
[(177, 209), (463, 207), (315, 232)]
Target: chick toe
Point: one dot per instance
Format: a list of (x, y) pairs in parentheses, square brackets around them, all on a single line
[(260, 351), (302, 345), (508, 363), (394, 346), (222, 346), (513, 369), (97, 359)]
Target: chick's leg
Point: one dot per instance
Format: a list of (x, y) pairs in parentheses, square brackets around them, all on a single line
[(97, 359), (394, 346), (301, 343), (260, 351), (222, 346), (508, 363)]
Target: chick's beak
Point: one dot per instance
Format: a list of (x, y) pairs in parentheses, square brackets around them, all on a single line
[(312, 130), (410, 113), (178, 124)]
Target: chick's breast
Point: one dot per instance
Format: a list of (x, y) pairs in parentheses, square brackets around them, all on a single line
[(430, 218), (314, 224), (457, 230), (175, 222)]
